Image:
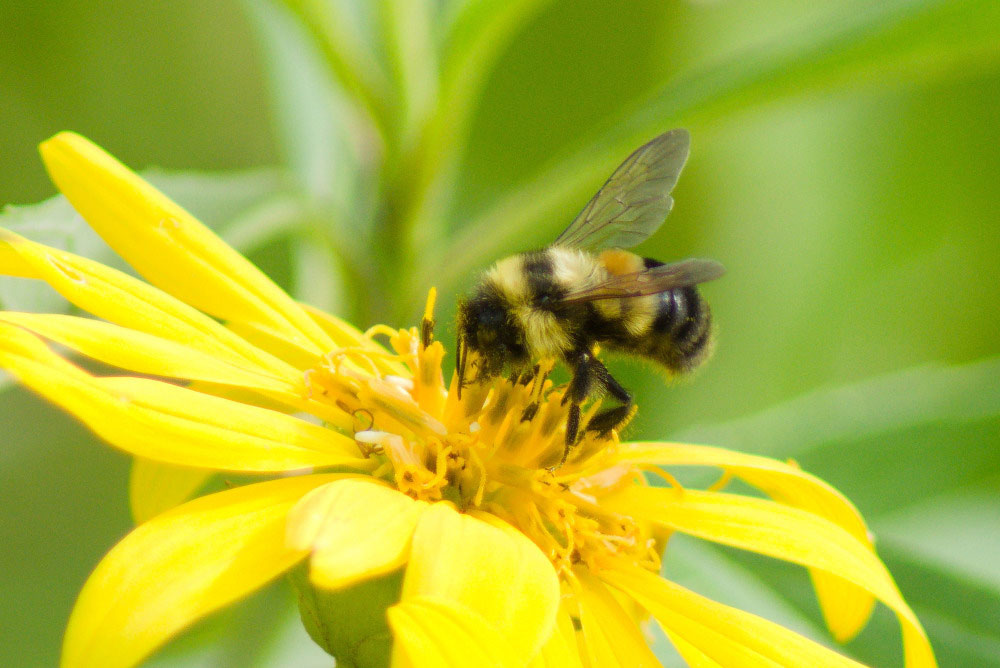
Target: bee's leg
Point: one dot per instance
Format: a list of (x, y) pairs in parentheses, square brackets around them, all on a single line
[(612, 418), (579, 389), (572, 427)]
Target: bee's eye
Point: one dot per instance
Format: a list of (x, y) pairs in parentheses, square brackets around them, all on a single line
[(544, 299)]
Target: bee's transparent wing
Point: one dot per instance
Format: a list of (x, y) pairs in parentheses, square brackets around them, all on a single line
[(633, 203), (648, 282)]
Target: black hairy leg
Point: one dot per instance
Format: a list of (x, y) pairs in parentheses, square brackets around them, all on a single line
[(589, 374), (611, 418)]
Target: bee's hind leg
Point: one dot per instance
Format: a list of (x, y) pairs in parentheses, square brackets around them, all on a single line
[(612, 418)]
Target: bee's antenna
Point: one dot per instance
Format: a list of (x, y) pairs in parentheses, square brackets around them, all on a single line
[(461, 355)]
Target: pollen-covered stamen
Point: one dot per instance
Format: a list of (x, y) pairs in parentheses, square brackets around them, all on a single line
[(498, 448), (409, 463), (389, 399)]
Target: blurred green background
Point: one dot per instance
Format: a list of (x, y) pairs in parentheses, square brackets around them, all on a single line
[(844, 168)]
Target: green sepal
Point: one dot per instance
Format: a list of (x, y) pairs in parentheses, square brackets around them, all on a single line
[(350, 623)]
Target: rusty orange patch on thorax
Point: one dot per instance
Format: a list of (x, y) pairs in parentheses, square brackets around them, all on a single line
[(618, 262)]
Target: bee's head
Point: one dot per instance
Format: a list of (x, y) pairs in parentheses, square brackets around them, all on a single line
[(487, 327)]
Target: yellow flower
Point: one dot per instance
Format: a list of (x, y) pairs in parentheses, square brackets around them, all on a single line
[(508, 557)]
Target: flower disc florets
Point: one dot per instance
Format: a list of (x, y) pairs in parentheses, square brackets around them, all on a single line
[(499, 449)]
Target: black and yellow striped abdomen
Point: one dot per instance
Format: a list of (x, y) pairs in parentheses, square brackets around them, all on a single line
[(672, 328), (681, 334)]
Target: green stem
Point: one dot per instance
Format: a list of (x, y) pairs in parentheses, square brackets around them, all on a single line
[(354, 67)]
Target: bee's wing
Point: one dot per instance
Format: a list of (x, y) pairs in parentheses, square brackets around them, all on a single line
[(633, 202), (648, 282)]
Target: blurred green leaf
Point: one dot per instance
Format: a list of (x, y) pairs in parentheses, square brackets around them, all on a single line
[(268, 616), (472, 43), (872, 46), (957, 531), (863, 410), (711, 572), (248, 209), (349, 58), (959, 613), (407, 32), (53, 223), (316, 275), (918, 452), (313, 120)]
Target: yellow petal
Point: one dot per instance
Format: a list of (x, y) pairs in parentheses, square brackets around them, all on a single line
[(167, 245), (497, 572), (846, 608), (298, 354), (178, 567), (778, 531), (693, 657), (724, 635), (145, 353), (126, 301), (155, 487), (355, 528), (561, 649), (441, 633), (173, 424), (11, 262), (610, 635)]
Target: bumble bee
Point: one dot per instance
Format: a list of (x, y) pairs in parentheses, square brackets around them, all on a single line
[(584, 291)]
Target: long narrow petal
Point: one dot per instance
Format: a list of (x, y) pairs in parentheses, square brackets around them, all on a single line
[(180, 566), (846, 608), (496, 572), (609, 632), (173, 424), (693, 657), (726, 636), (778, 531), (355, 528), (561, 649), (155, 487), (167, 245), (145, 353), (441, 633), (127, 301)]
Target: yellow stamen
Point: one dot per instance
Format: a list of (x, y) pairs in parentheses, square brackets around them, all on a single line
[(487, 450)]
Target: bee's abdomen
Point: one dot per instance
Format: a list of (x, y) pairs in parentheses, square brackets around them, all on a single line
[(681, 333)]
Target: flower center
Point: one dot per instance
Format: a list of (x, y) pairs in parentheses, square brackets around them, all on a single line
[(499, 449)]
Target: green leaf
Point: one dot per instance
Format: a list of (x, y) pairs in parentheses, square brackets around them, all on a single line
[(918, 451), (317, 276), (263, 630), (474, 39), (407, 33), (248, 209), (957, 532), (713, 572), (960, 613), (877, 45), (54, 223), (863, 411), (348, 58), (312, 117)]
